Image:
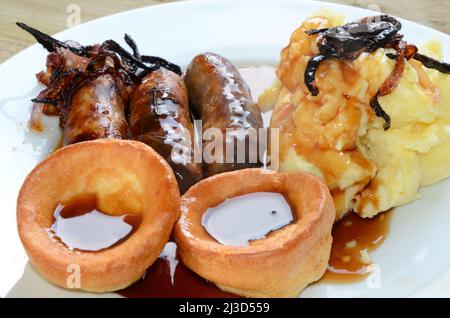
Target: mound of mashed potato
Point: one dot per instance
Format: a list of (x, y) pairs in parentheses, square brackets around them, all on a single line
[(337, 137)]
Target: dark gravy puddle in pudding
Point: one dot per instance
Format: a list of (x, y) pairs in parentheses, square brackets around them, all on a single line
[(80, 225)]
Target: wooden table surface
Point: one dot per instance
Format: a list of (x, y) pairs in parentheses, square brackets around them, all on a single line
[(53, 16)]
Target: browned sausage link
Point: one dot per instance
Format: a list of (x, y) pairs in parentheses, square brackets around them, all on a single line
[(96, 111), (159, 117), (223, 100)]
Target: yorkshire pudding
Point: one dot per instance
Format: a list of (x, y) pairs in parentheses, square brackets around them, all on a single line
[(126, 176), (280, 265)]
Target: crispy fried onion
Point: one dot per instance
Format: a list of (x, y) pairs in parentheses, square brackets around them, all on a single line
[(404, 52), (347, 42)]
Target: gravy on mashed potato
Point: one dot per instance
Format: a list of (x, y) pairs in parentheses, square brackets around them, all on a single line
[(336, 135)]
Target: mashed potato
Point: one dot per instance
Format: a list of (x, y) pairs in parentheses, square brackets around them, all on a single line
[(337, 137)]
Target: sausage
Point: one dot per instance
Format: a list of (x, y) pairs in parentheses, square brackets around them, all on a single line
[(96, 110), (160, 118), (222, 100)]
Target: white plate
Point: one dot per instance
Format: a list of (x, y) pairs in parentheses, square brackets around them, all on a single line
[(415, 259)]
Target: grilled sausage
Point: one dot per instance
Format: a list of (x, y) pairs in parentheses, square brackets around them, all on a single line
[(96, 111), (159, 117), (222, 99)]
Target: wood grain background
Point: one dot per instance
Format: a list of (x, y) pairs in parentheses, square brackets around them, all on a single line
[(51, 16)]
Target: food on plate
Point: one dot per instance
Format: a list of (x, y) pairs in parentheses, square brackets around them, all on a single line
[(279, 265), (160, 117), (103, 91), (126, 178), (89, 86), (363, 110), (96, 110), (222, 100)]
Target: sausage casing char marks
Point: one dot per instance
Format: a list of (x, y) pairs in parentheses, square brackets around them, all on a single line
[(97, 110), (222, 99), (87, 86), (160, 118), (91, 98)]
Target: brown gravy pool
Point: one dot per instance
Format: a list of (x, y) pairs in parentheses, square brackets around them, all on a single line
[(157, 283), (351, 235)]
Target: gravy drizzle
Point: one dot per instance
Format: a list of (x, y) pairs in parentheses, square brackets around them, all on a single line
[(353, 238)]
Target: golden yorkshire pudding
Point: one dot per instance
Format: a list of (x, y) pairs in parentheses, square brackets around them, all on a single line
[(280, 265), (126, 177)]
